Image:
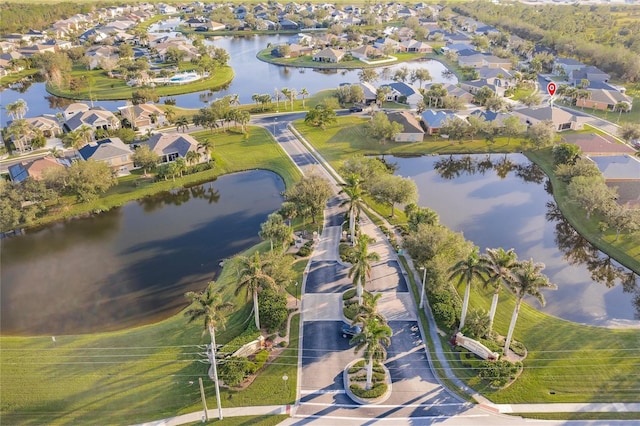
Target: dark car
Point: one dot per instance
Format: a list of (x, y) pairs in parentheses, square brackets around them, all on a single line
[(350, 330), (355, 109)]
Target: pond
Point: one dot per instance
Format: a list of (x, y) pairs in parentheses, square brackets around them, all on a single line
[(504, 201), (131, 265), (251, 76)]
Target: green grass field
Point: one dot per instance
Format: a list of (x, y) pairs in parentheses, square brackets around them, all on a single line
[(104, 88), (129, 376), (307, 61)]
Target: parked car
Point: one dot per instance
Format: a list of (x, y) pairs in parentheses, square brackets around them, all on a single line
[(350, 330), (356, 109)]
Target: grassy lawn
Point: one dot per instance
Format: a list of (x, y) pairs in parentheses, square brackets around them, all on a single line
[(233, 152), (567, 362), (134, 375), (626, 249), (104, 88), (15, 77), (348, 137), (307, 61), (632, 116)]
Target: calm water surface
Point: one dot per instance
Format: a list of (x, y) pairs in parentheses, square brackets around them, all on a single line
[(501, 201), (133, 264)]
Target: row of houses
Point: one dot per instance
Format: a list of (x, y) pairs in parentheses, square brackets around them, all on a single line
[(431, 121), (115, 153)]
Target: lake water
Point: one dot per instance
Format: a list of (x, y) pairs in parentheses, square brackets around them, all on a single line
[(131, 265), (251, 76), (502, 201)]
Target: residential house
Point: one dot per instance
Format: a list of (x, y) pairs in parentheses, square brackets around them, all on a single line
[(475, 85), (457, 92), (73, 109), (566, 66), (618, 168), (98, 54), (369, 91), (497, 76), (167, 9), (589, 73), (593, 144), (387, 44), (411, 129), (434, 120), (286, 24), (143, 116), (561, 119), (171, 146), (29, 51), (48, 125), (329, 55), (95, 118), (414, 46), (35, 169), (301, 39), (491, 116), (404, 93), (366, 53), (628, 192), (112, 151), (603, 99)]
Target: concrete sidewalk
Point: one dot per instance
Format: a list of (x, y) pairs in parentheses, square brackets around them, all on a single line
[(198, 416)]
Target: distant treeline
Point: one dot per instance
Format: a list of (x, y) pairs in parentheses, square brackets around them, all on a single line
[(605, 36), (22, 17)]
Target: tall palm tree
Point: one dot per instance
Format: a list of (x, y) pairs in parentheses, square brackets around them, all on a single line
[(17, 109), (169, 113), (182, 122), (369, 310), (374, 338), (277, 96), (528, 279), (19, 131), (210, 308), (243, 118), (466, 270), (361, 268), (85, 132), (500, 264), (286, 94), (352, 187), (292, 95), (252, 278), (192, 157), (304, 93)]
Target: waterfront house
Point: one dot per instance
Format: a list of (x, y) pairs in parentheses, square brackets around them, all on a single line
[(112, 151), (95, 118), (329, 55), (143, 116), (171, 146), (561, 119), (592, 144), (434, 120), (411, 129)]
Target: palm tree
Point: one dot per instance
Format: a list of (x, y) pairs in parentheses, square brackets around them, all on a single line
[(621, 107), (286, 94), (466, 270), (212, 310), (169, 113), (183, 123), (277, 96), (361, 268), (181, 166), (243, 118), (374, 339), (85, 132), (18, 130), (192, 157), (500, 264), (17, 109), (292, 95), (252, 278), (369, 310), (304, 93), (354, 190), (527, 280)]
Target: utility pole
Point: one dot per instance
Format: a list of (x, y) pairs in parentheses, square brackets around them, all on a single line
[(204, 401)]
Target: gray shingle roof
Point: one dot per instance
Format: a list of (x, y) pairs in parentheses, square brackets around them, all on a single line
[(105, 149)]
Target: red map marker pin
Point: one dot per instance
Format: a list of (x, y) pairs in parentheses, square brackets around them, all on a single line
[(551, 88)]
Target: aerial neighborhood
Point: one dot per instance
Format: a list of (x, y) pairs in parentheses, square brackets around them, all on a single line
[(318, 210)]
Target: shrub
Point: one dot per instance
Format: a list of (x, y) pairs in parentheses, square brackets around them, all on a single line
[(273, 309), (498, 373), (349, 294), (249, 335), (283, 344), (491, 345), (350, 310), (376, 390), (518, 348), (477, 324), (261, 358), (304, 251), (234, 370), (346, 252), (444, 315)]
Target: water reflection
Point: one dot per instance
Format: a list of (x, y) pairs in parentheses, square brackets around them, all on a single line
[(453, 167), (501, 201), (131, 265), (578, 251)]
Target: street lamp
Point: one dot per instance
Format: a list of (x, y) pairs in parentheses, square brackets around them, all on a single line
[(275, 120), (296, 294), (424, 278), (285, 378)]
